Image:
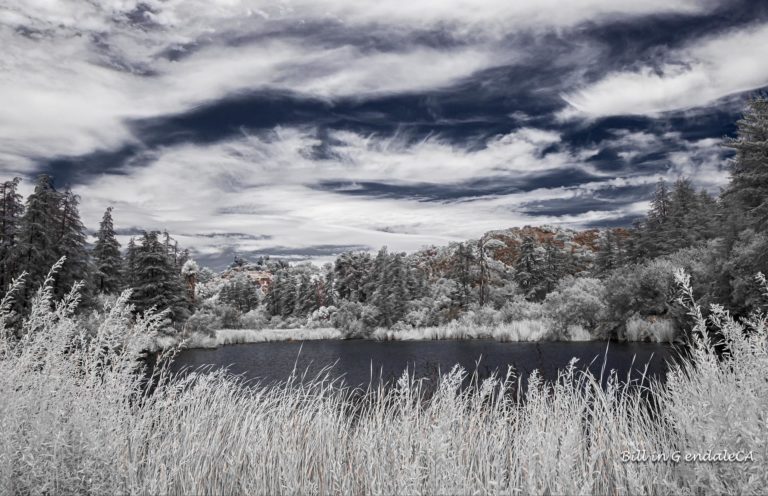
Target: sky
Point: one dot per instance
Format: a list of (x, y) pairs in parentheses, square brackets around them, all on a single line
[(305, 128)]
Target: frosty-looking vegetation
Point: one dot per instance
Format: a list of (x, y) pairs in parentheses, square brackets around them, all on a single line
[(76, 418)]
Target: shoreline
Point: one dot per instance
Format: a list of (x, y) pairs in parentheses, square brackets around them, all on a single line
[(502, 333)]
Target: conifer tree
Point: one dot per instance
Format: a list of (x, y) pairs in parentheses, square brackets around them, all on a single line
[(462, 274), (274, 296), (656, 228), (747, 192), (71, 243), (11, 210), (528, 268), (328, 293), (306, 296), (158, 284), (129, 264), (554, 267), (606, 256), (106, 257), (37, 236)]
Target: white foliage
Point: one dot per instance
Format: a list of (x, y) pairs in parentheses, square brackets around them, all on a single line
[(190, 268), (74, 420)]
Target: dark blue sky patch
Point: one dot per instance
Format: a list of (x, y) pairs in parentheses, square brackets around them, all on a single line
[(604, 200), (623, 221), (489, 186)]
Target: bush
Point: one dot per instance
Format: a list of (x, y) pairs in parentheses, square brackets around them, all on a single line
[(577, 302), (203, 321), (322, 317), (647, 290), (521, 309), (357, 320), (254, 319)]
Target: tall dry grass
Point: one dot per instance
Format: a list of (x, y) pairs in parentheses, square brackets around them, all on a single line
[(74, 419)]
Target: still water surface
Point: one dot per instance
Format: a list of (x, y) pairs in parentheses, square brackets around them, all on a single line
[(356, 361)]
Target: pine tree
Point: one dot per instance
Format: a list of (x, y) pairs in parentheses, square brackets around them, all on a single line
[(352, 274), (129, 264), (158, 284), (71, 243), (274, 296), (378, 285), (606, 256), (288, 295), (656, 228), (37, 241), (529, 268), (683, 204), (398, 288), (241, 293), (484, 272), (462, 273), (306, 296), (106, 257), (747, 192), (328, 294), (11, 210), (554, 267)]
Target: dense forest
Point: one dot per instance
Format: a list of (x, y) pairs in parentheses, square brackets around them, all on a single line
[(598, 283)]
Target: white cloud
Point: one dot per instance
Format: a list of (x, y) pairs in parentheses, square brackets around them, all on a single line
[(73, 72), (699, 74), (266, 187)]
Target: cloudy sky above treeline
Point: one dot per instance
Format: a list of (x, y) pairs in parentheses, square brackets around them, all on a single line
[(302, 128)]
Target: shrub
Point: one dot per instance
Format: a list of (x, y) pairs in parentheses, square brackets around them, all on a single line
[(322, 317), (254, 319), (521, 309), (203, 321), (578, 302), (648, 290)]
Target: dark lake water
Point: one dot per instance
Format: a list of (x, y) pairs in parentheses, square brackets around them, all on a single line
[(359, 360)]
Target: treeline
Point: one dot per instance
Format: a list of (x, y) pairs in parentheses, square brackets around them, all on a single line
[(36, 233)]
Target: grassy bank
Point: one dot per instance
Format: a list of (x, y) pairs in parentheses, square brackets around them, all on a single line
[(74, 420)]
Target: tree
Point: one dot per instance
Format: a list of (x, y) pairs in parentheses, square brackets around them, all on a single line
[(240, 292), (71, 243), (529, 268), (190, 271), (555, 267), (129, 264), (606, 255), (747, 192), (106, 257), (482, 257), (11, 210), (37, 236), (655, 230), (462, 274), (157, 283)]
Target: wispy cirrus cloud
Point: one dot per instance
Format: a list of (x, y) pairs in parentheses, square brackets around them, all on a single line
[(699, 74), (75, 72), (307, 126), (271, 186)]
